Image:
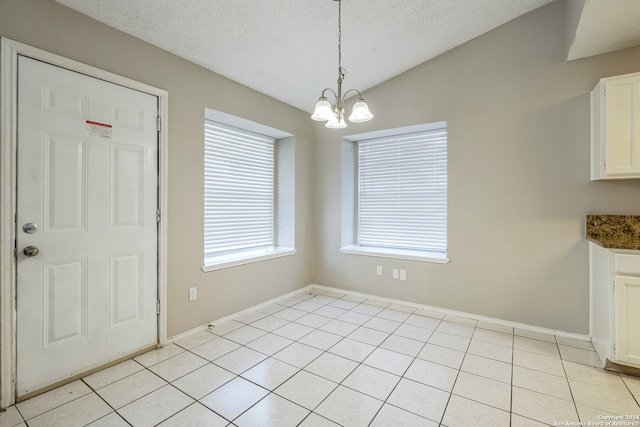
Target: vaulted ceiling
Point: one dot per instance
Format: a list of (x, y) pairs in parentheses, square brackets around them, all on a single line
[(287, 49)]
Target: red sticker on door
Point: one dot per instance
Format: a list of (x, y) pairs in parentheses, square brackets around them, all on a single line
[(101, 130)]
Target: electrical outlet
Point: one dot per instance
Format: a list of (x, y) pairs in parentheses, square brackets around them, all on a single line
[(403, 274), (395, 274), (379, 270), (193, 294)]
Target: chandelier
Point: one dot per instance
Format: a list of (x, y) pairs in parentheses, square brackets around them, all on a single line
[(335, 116)]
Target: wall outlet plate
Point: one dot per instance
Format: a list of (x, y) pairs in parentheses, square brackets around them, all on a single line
[(193, 294), (395, 274), (403, 274), (379, 270)]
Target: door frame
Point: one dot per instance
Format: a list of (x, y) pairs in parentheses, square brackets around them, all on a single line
[(9, 51)]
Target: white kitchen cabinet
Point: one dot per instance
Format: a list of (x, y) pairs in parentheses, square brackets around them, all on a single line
[(615, 128), (627, 295), (614, 317)]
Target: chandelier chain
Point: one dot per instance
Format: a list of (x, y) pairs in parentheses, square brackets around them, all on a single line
[(341, 71), (334, 115)]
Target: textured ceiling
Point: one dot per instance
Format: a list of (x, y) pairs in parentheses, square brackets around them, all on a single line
[(288, 48), (605, 26)]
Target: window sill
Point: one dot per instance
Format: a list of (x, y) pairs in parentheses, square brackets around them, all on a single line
[(232, 260), (405, 254)]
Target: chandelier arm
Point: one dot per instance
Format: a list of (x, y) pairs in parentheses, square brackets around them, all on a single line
[(353, 90), (330, 90)]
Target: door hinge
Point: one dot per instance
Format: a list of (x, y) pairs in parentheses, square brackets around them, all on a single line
[(613, 286), (159, 123), (157, 215), (157, 306), (605, 165)]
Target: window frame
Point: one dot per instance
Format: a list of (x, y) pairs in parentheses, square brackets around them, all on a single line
[(349, 197), (283, 194)]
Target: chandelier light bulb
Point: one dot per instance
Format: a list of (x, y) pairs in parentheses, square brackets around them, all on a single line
[(335, 123), (323, 110), (360, 112)]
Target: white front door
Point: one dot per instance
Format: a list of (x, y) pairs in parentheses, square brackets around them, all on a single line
[(86, 203)]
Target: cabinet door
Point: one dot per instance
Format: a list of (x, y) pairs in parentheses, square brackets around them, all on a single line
[(628, 319), (622, 127)]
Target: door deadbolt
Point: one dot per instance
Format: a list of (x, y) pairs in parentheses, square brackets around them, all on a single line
[(31, 251), (30, 227)]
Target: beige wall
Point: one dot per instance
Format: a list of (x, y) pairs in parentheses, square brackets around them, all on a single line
[(518, 119), (519, 188), (47, 25)]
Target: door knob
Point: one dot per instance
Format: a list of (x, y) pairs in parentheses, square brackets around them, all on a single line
[(30, 227), (31, 251)]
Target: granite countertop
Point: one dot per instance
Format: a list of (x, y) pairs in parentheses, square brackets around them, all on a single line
[(614, 231)]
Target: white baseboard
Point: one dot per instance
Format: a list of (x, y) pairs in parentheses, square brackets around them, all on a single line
[(444, 311), (238, 314), (186, 333)]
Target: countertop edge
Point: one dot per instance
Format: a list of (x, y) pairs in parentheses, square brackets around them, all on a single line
[(616, 245), (613, 231)]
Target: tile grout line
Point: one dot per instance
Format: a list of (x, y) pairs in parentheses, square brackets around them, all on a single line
[(167, 383), (94, 391), (414, 357), (444, 411), (362, 363), (208, 362), (271, 356), (513, 355), (26, 421), (385, 401), (637, 399), (351, 372), (299, 369), (575, 404), (323, 351), (346, 336)]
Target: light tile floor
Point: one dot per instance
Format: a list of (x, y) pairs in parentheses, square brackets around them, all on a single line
[(332, 359)]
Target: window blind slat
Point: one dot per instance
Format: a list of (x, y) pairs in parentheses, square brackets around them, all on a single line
[(402, 191), (238, 190)]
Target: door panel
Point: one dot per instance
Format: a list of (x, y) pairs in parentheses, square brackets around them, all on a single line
[(127, 184), (89, 296), (128, 118), (61, 101), (64, 300), (65, 195), (126, 290)]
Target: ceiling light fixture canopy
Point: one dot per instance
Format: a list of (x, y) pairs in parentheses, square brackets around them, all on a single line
[(335, 116)]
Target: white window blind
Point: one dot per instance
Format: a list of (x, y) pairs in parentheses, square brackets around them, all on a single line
[(238, 190), (402, 191)]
